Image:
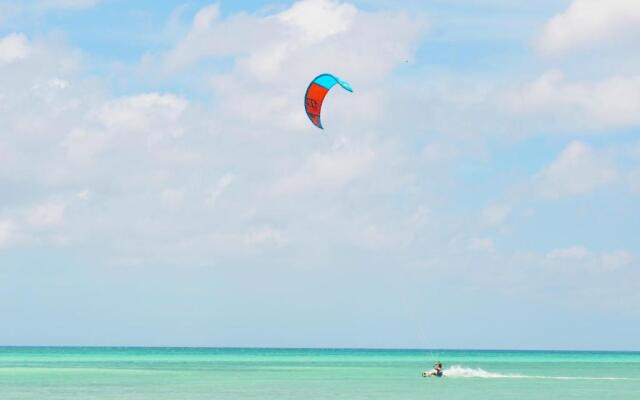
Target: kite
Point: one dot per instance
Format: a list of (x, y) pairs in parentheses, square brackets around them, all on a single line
[(317, 90)]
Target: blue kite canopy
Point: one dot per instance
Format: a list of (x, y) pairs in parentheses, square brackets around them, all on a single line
[(316, 92)]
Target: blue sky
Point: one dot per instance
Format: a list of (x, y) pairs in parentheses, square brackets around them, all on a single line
[(160, 184)]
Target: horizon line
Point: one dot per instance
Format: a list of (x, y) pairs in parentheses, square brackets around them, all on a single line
[(320, 348)]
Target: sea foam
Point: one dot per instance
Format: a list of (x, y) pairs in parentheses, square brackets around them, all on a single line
[(457, 371)]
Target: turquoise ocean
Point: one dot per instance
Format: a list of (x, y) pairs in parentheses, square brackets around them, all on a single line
[(208, 373)]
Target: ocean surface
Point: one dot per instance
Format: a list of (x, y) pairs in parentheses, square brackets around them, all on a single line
[(308, 374)]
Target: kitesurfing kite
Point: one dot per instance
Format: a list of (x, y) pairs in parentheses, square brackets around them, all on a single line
[(316, 91)]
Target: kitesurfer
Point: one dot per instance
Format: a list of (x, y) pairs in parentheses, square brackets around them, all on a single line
[(437, 370)]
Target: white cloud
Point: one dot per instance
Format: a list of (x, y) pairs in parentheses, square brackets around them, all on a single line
[(616, 260), (372, 237), (205, 17), (69, 4), (127, 126), (634, 180), (317, 20), (251, 238), (82, 146), (291, 46), (420, 216), (5, 233), (548, 104), (591, 22), (482, 244), (151, 113), (599, 105), (46, 215), (83, 195), (577, 170), (327, 171), (57, 83), (221, 186), (439, 152), (172, 197), (13, 47), (575, 253), (263, 236), (496, 214), (582, 258)]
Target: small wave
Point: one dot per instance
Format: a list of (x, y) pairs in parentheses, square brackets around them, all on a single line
[(457, 371)]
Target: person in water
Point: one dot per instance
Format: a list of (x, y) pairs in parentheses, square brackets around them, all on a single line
[(437, 370)]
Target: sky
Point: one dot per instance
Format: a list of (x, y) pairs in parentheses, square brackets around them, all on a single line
[(161, 185)]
